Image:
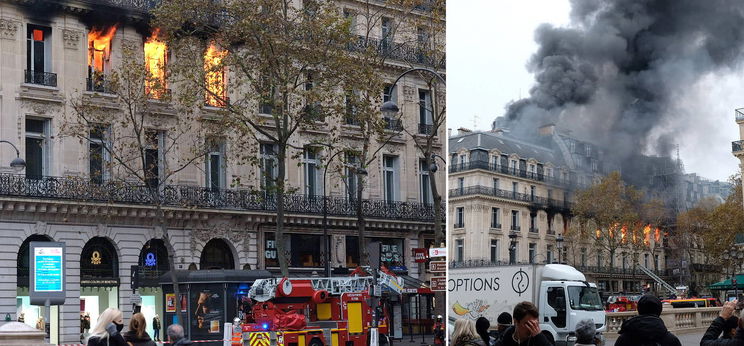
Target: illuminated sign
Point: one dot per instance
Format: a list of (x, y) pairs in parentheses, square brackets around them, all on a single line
[(48, 267), (150, 260)]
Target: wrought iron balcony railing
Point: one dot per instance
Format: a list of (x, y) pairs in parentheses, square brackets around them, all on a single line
[(489, 166), (515, 228), (398, 51), (629, 270), (81, 189), (737, 146), (426, 129), (41, 78), (537, 201)]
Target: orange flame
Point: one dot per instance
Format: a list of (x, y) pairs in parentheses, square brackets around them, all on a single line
[(647, 235), (657, 235), (99, 46), (214, 75), (155, 59), (599, 233), (624, 233)]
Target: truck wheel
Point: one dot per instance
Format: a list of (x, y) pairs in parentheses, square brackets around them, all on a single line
[(550, 337), (316, 342)]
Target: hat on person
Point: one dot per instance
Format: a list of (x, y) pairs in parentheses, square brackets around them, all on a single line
[(585, 331), (505, 319), (649, 305)]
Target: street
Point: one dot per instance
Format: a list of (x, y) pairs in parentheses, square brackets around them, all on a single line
[(689, 339)]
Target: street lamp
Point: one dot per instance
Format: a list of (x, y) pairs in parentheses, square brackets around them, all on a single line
[(326, 241), (513, 247), (559, 245), (18, 164)]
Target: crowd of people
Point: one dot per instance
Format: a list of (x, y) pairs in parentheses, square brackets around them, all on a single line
[(522, 328), (108, 331)]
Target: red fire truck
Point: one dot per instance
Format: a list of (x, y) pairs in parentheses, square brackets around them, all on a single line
[(316, 311)]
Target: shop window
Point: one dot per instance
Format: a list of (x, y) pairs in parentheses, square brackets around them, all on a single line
[(99, 260), (216, 255)]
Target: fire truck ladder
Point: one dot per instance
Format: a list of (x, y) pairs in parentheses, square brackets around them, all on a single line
[(342, 284), (658, 280)]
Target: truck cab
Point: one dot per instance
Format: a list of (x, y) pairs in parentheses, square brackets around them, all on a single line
[(566, 298)]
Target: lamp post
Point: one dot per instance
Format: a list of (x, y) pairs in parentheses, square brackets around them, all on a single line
[(326, 241), (513, 247), (18, 164), (559, 245)]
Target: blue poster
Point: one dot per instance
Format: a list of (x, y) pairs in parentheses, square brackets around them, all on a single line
[(48, 264)]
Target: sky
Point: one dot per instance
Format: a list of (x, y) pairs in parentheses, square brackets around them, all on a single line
[(490, 41)]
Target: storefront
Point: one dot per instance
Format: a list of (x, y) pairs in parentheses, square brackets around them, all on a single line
[(99, 280), (33, 315), (153, 262)]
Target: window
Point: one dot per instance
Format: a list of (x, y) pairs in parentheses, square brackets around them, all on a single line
[(425, 187), (495, 217), (38, 56), (532, 252), (459, 250), (268, 93), (656, 262), (496, 183), (550, 194), (425, 112), (583, 257), (215, 170), (37, 148), (532, 192), (599, 259), (494, 250), (352, 251), (268, 165), (515, 189), (645, 260), (386, 34), (461, 185), (215, 77), (350, 16), (460, 217), (352, 178), (533, 223), (154, 142), (549, 254), (389, 94), (313, 180), (350, 107), (98, 155), (515, 220), (625, 261), (390, 177)]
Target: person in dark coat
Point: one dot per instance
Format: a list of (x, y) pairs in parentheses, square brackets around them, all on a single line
[(526, 328), (710, 338), (481, 326), (156, 327), (137, 334), (504, 321), (107, 331), (647, 328)]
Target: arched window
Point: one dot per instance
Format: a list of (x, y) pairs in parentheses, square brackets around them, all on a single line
[(154, 256), (99, 260), (23, 260), (216, 255)]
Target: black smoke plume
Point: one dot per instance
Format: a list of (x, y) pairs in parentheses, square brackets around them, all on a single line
[(612, 75)]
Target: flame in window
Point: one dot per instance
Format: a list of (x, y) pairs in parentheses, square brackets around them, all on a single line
[(214, 75), (155, 59), (99, 47)]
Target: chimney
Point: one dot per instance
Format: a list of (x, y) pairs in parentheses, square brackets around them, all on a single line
[(462, 131), (546, 130), (449, 132)]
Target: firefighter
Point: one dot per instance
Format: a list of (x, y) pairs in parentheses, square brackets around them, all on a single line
[(439, 331)]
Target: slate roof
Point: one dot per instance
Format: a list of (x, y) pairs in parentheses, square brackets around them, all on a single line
[(505, 144)]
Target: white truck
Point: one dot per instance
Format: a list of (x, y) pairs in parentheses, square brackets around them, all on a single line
[(559, 291)]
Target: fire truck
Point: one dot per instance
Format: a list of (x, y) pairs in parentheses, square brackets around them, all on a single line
[(317, 311)]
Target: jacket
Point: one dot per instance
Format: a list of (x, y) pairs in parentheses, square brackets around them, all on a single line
[(645, 330), (116, 340), (145, 340), (476, 341), (507, 339), (710, 338)]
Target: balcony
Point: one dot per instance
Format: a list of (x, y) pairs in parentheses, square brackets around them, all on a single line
[(98, 84), (183, 196), (740, 114), (736, 146), (426, 129), (540, 202), (515, 228), (496, 225), (41, 78), (393, 124), (397, 51), (513, 171)]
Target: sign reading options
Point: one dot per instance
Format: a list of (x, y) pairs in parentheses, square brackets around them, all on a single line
[(47, 273)]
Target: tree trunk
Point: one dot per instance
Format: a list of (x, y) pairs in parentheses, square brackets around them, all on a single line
[(363, 253), (279, 235), (438, 234), (171, 252)]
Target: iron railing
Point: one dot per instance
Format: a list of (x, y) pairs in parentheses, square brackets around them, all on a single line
[(484, 262), (495, 225), (183, 196), (398, 51), (98, 84), (522, 173), (616, 270), (426, 129), (41, 78), (537, 201), (737, 146)]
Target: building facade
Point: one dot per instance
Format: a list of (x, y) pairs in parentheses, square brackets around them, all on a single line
[(49, 51), (510, 202)]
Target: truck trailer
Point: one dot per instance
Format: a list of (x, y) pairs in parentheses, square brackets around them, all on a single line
[(560, 292)]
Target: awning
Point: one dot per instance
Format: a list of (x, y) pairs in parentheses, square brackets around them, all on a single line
[(727, 285), (413, 285)]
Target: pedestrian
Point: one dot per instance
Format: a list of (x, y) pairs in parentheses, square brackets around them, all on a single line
[(481, 326), (175, 336), (526, 328), (503, 322), (156, 327), (710, 338), (465, 334), (729, 328), (137, 333), (107, 331), (585, 333), (647, 328), (439, 331)]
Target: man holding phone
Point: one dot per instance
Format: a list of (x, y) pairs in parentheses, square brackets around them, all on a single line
[(526, 328)]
